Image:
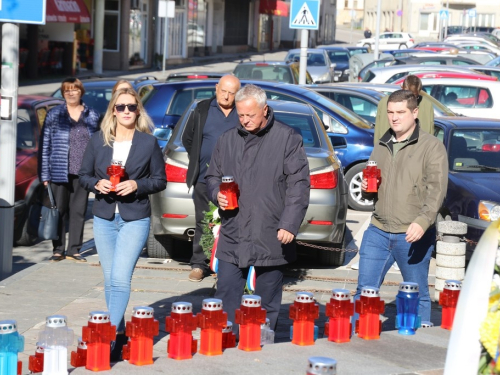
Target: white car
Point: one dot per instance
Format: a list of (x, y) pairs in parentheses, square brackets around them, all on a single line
[(389, 41), (468, 97), (469, 39), (389, 74)]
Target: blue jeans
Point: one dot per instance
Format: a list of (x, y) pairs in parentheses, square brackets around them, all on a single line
[(119, 244), (380, 249)]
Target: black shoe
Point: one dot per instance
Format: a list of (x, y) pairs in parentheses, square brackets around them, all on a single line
[(117, 346), (76, 258), (57, 258)]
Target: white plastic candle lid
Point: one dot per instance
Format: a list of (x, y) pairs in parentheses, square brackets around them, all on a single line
[(82, 344), (143, 312), (322, 366), (99, 317), (304, 297), (8, 326), (251, 300), (182, 307), (370, 291), (341, 294), (453, 285), (228, 327), (371, 163), (408, 287), (56, 321), (211, 304), (228, 179)]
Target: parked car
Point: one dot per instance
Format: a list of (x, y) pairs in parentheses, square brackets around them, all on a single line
[(185, 76), (397, 53), (340, 57), (493, 71), (352, 133), (98, 90), (479, 47), (389, 40), (318, 64), (483, 38), (436, 59), (30, 117), (494, 62), (173, 215), (465, 96), (435, 46), (392, 73), (382, 63), (456, 75), (473, 147), (275, 71), (456, 30), (354, 50)]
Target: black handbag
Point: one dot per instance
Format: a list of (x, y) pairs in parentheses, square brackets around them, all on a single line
[(49, 219)]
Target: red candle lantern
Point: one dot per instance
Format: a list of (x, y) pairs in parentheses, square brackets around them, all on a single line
[(369, 307), (211, 320), (181, 323), (36, 361), (228, 336), (79, 358), (230, 189), (98, 335), (340, 309), (303, 312), (141, 330), (372, 174), (115, 172), (448, 300), (250, 316)]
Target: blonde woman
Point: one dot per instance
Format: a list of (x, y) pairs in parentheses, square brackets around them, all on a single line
[(122, 214)]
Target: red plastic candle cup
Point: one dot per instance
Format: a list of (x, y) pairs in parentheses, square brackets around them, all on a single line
[(36, 361), (228, 336), (115, 172), (303, 312), (79, 358), (369, 307), (181, 323), (339, 310), (230, 189), (98, 335), (212, 319), (372, 175), (448, 300), (250, 316), (140, 331)]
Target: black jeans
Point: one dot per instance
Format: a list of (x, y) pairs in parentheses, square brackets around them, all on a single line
[(200, 198), (268, 285), (71, 201)]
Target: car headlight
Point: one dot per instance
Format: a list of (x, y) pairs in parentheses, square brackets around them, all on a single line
[(323, 77), (346, 71), (489, 211)]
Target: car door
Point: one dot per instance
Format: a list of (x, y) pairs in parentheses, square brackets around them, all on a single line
[(383, 42)]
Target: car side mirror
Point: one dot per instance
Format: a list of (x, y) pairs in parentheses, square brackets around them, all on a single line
[(338, 141), (333, 65)]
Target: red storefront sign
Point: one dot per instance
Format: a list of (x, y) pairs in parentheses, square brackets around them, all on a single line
[(274, 7), (74, 11)]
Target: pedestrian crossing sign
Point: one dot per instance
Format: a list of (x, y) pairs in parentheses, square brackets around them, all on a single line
[(304, 14)]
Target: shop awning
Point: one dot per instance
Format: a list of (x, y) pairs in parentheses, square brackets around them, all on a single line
[(74, 11), (274, 7)]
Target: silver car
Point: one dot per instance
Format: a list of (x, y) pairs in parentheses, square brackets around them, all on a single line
[(319, 65), (173, 216)]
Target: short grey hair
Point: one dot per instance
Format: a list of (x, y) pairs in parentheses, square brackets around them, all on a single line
[(252, 92)]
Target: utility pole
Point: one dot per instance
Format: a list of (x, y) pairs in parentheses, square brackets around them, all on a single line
[(377, 30)]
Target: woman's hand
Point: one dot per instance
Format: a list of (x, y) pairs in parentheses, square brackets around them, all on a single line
[(126, 187), (45, 183), (104, 186)]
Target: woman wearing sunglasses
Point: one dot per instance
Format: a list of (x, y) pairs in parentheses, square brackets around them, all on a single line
[(66, 131), (122, 211)]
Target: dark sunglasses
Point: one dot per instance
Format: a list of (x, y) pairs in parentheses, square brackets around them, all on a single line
[(121, 107)]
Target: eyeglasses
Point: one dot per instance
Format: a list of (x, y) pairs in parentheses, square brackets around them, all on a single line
[(71, 91), (121, 107)]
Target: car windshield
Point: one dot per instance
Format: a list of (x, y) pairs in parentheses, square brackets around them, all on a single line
[(274, 73), (303, 124), (357, 51), (338, 56), (313, 59), (348, 115), (475, 150)]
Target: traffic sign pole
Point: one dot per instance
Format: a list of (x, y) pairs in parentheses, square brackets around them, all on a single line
[(304, 36), (8, 133), (377, 30)]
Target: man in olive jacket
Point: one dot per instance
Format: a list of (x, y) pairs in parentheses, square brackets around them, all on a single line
[(268, 162), (412, 188), (211, 118)]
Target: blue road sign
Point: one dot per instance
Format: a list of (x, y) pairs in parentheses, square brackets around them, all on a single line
[(23, 11), (472, 13), (304, 14), (443, 14)]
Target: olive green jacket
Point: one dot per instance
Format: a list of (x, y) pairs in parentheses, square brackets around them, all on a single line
[(413, 183), (425, 115)]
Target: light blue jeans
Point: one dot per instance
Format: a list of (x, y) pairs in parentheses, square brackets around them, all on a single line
[(119, 244), (380, 249)]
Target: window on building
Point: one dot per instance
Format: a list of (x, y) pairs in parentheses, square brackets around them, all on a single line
[(424, 21), (346, 4), (355, 4), (111, 25)]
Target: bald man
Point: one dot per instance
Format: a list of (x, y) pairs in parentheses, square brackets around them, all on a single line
[(211, 118)]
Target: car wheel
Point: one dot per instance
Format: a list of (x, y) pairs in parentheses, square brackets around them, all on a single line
[(403, 46), (161, 246), (354, 177), (333, 258)]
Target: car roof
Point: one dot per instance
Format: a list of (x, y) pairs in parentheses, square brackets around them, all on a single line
[(189, 73), (108, 81), (462, 122), (370, 85), (417, 66), (335, 48), (351, 89), (293, 107), (463, 82), (423, 58), (314, 50), (263, 62)]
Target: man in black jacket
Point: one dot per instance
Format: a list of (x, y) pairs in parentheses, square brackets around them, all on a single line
[(211, 118), (269, 164)]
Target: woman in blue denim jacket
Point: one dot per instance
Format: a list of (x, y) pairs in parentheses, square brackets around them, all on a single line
[(66, 131), (122, 211)]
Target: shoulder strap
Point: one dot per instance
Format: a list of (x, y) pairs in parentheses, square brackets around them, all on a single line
[(51, 196)]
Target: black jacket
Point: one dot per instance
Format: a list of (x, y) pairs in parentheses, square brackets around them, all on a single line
[(192, 137), (144, 164), (272, 172)]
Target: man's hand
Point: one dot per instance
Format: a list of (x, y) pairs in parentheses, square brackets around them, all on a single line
[(221, 198), (364, 184), (126, 187), (103, 186), (285, 236), (414, 233)]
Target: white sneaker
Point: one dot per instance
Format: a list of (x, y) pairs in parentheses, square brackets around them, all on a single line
[(355, 266), (395, 266)]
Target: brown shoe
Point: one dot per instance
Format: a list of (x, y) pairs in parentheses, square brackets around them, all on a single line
[(196, 275)]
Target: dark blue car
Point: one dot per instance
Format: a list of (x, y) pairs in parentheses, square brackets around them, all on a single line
[(473, 147), (340, 57), (351, 135)]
